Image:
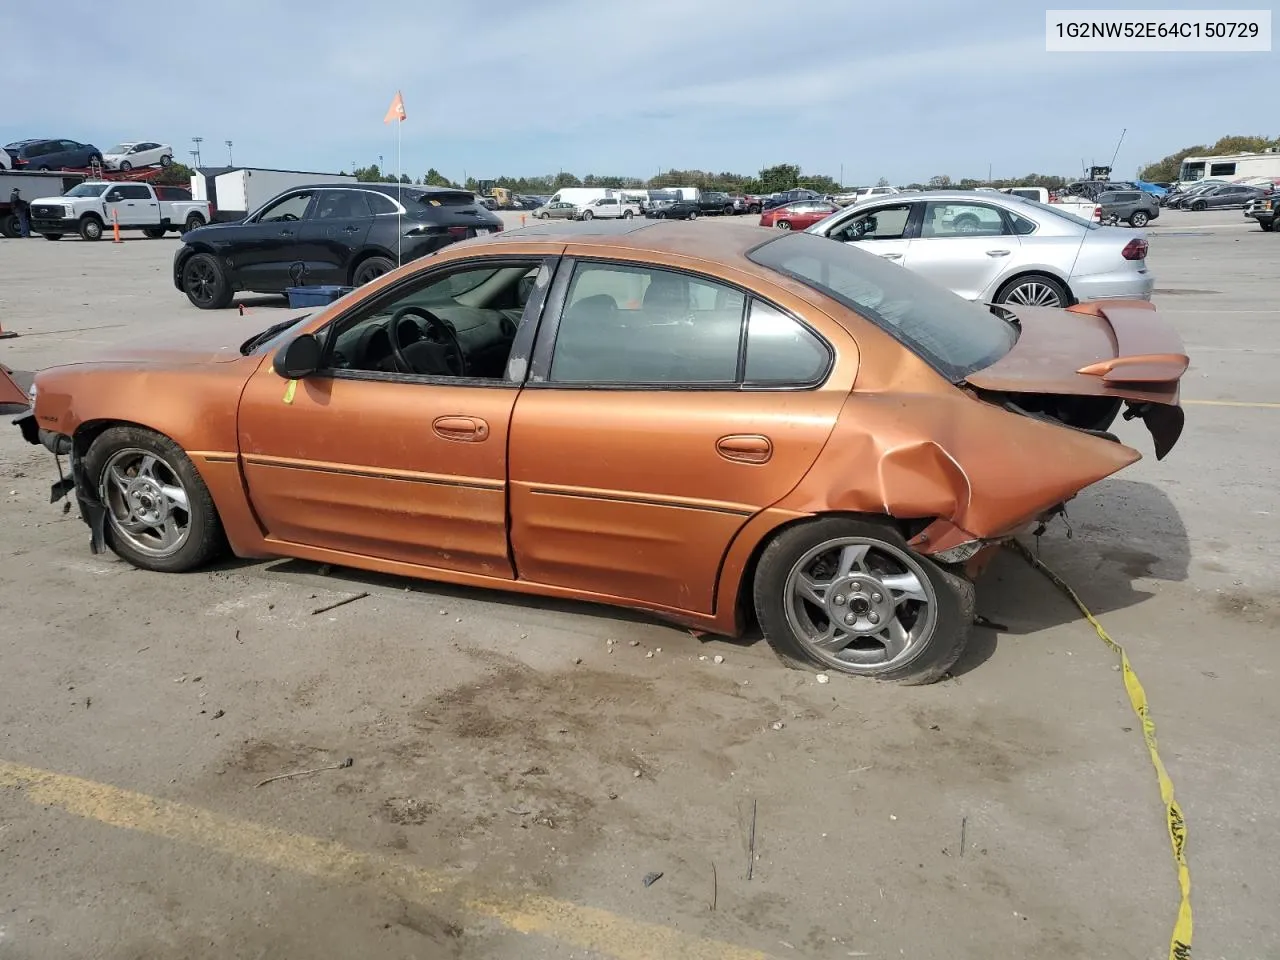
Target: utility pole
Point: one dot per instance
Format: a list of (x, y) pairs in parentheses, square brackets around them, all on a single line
[(197, 141), (230, 162), (988, 174), (195, 158)]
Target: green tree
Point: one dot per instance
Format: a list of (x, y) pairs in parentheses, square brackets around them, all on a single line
[(783, 176), (882, 182), (176, 173), (369, 174), (940, 182), (434, 178), (563, 179)]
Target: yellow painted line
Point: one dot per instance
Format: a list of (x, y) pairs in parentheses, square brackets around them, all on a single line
[(1232, 403), (587, 928)]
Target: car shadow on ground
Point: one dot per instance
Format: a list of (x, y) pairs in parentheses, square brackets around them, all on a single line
[(1122, 533)]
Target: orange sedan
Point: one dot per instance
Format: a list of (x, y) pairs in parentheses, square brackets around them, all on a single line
[(709, 425)]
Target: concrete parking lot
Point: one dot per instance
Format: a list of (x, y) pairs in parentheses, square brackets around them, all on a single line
[(515, 776)]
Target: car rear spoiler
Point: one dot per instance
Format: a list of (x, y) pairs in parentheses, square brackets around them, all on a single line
[(1148, 350)]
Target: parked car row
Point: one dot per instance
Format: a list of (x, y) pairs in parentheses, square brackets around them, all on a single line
[(53, 154), (1215, 195)]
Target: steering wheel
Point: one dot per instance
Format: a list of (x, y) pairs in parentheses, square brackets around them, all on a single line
[(404, 332)]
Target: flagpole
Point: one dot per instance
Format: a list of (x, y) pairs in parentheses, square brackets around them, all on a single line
[(399, 191)]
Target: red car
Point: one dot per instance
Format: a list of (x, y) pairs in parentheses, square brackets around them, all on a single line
[(797, 216)]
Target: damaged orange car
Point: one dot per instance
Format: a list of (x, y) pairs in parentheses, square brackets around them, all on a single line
[(712, 425)]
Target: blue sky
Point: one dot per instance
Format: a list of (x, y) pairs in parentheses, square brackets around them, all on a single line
[(902, 90)]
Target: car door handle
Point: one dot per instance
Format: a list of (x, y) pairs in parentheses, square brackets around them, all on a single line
[(462, 429), (892, 256), (745, 448), (286, 233), (997, 253)]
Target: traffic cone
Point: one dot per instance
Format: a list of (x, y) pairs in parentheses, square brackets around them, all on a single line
[(6, 334), (115, 228), (522, 219)]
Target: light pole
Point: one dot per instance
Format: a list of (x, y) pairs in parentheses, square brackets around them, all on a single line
[(197, 141), (195, 158), (230, 162)]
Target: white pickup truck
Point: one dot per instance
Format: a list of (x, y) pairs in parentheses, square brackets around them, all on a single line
[(92, 207)]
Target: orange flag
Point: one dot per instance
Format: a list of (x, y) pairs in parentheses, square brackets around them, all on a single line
[(396, 112)]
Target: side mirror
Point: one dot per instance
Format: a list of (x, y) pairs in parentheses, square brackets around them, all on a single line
[(113, 197), (299, 358)]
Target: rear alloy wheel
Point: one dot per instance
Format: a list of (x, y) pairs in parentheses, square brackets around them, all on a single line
[(194, 222), (1138, 218), (626, 214), (1033, 291), (160, 515), (370, 270), (166, 160), (783, 224), (205, 282), (850, 595)]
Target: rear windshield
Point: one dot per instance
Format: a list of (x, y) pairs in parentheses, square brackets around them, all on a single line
[(954, 336)]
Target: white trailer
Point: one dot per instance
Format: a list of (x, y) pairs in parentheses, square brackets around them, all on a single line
[(1232, 167), (235, 192)]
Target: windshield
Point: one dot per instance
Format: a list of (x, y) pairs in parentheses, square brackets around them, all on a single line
[(954, 336), (88, 190), (121, 148)]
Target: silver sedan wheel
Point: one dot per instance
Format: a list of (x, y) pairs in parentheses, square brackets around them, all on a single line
[(860, 604), (1032, 293), (146, 502)]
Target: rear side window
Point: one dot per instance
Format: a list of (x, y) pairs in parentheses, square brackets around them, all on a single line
[(782, 350), (341, 205), (640, 325), (381, 204)]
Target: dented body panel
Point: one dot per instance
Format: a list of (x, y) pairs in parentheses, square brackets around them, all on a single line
[(649, 498)]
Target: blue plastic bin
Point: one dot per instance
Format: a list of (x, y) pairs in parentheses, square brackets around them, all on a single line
[(320, 296)]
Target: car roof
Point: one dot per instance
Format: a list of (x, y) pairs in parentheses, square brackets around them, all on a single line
[(729, 243), (391, 189)]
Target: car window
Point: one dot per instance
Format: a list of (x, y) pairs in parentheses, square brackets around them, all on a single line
[(134, 191), (881, 223), (292, 207), (1021, 225), (341, 205), (69, 145), (381, 203), (951, 219), (641, 325), (460, 323), (954, 336), (782, 350)]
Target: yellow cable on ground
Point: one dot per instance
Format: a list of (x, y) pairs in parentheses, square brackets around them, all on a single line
[(1180, 943)]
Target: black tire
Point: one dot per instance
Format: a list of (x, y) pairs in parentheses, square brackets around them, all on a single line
[(754, 209), (125, 166), (1199, 205), (371, 269), (10, 226), (204, 537), (205, 282), (1138, 218), (52, 236), (693, 214), (95, 158), (193, 222), (728, 210), (155, 233), (587, 215), (1043, 280), (783, 224), (661, 216), (627, 214), (1267, 225), (91, 228), (925, 658), (166, 160)]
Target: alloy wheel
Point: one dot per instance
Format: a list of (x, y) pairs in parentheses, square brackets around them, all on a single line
[(860, 604), (1032, 293), (201, 281), (146, 502)]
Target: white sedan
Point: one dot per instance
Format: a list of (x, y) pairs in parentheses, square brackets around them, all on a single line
[(132, 155), (997, 248)]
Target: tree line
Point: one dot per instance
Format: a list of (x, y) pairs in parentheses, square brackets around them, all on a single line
[(1167, 169)]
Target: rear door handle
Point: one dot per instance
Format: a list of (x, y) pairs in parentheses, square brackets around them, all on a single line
[(745, 448), (997, 253), (892, 256), (461, 429), (286, 233), (350, 229)]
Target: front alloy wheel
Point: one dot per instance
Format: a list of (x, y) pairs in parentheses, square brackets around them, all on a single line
[(146, 502)]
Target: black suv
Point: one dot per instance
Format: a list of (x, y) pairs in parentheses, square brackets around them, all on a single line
[(329, 234)]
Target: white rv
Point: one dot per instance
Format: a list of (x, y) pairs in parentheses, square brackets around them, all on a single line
[(1230, 167)]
